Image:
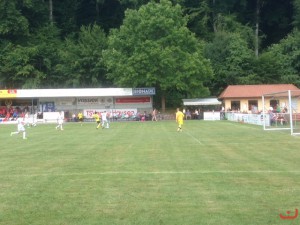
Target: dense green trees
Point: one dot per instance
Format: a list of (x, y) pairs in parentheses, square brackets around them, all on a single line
[(230, 57), (285, 58), (154, 47), (13, 25), (81, 62), (185, 48)]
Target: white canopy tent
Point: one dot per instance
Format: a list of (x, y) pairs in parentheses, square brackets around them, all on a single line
[(209, 104), (201, 101)]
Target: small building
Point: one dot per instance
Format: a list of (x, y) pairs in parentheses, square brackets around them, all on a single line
[(74, 100), (248, 98)]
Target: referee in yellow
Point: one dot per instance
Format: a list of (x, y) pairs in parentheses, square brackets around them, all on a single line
[(179, 119)]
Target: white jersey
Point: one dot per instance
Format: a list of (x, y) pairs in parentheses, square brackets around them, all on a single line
[(35, 118), (103, 116), (20, 122), (26, 119), (104, 119), (60, 119)]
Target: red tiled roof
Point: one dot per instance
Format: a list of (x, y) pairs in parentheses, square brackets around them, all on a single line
[(254, 91)]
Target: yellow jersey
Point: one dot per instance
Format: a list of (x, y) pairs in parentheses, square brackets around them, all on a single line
[(96, 117), (179, 117)]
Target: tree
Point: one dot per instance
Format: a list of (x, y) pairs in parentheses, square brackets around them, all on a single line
[(135, 4), (81, 61), (13, 24), (29, 66), (231, 58), (16, 69), (296, 6), (107, 14), (199, 18), (286, 58), (154, 47)]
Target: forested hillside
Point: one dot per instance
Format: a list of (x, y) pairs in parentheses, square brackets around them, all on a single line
[(184, 48)]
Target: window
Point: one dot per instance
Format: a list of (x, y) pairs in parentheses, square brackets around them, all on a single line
[(235, 105), (274, 103), (253, 106)]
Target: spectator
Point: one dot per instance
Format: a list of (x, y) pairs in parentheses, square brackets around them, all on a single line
[(154, 113), (188, 114)]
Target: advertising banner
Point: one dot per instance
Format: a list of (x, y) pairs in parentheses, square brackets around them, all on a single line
[(88, 101), (12, 93), (256, 119), (89, 112), (133, 100), (94, 101), (143, 91), (47, 107), (211, 116)]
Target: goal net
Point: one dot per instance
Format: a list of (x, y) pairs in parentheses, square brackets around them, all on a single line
[(281, 111)]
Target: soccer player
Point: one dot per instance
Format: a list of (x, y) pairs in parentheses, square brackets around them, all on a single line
[(26, 119), (60, 120), (80, 117), (97, 119), (104, 120), (21, 128), (179, 119), (34, 119)]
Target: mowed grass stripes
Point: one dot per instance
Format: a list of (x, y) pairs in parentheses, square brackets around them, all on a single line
[(214, 172)]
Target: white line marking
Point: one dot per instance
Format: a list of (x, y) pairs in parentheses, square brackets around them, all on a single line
[(148, 172), (194, 138)]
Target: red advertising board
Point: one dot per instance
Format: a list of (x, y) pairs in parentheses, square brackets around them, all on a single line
[(132, 100)]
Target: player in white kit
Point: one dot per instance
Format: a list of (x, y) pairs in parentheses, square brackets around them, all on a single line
[(21, 128), (104, 120), (60, 120)]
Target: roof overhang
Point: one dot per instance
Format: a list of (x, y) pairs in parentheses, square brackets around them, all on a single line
[(76, 92), (201, 101)]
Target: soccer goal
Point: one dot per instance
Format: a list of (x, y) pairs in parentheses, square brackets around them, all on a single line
[(281, 111)]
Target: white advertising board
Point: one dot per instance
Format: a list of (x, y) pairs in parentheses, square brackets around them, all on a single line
[(88, 113), (211, 116), (256, 119)]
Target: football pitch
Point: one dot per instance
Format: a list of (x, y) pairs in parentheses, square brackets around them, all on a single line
[(214, 172)]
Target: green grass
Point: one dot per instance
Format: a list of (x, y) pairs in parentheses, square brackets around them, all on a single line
[(214, 172)]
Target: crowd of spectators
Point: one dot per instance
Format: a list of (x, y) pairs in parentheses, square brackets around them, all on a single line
[(124, 116), (130, 115), (11, 113)]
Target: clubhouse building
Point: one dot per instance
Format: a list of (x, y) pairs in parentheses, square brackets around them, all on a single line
[(73, 101), (248, 98)]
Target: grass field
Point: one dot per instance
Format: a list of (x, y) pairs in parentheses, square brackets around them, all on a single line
[(214, 172)]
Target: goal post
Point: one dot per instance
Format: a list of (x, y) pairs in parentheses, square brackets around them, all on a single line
[(281, 111)]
